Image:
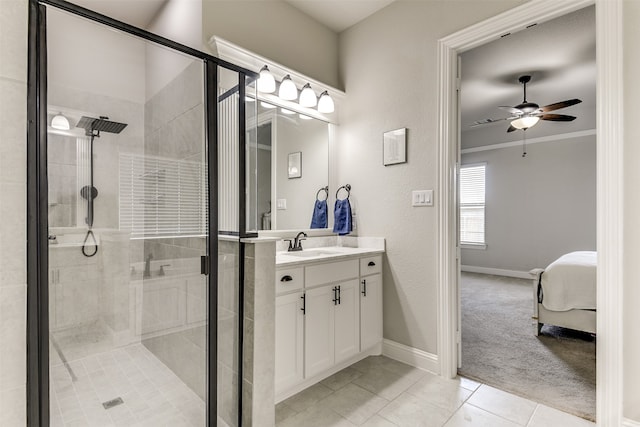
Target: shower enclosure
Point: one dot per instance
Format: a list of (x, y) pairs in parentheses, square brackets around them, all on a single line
[(135, 262)]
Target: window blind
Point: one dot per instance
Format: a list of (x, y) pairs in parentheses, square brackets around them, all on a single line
[(472, 204), (162, 197)]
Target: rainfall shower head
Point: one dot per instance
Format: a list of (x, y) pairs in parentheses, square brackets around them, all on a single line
[(102, 124)]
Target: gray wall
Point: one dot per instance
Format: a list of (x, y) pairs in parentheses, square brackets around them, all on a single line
[(537, 207), (389, 69), (278, 31)]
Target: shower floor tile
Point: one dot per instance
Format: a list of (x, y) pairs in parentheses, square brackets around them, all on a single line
[(152, 394)]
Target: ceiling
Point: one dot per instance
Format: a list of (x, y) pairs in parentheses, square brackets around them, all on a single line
[(560, 56), (339, 15)]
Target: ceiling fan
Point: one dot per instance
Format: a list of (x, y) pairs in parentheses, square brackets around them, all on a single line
[(527, 114)]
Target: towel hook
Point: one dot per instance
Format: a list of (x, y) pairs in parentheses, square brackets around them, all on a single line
[(347, 188), (326, 190)]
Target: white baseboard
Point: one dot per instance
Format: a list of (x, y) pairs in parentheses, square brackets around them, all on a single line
[(497, 271), (411, 356), (626, 422)]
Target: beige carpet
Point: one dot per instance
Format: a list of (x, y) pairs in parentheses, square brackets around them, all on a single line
[(558, 368)]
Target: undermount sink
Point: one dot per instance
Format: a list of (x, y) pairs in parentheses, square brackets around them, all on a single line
[(312, 253)]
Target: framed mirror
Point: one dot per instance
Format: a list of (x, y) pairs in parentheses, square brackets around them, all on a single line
[(292, 165)]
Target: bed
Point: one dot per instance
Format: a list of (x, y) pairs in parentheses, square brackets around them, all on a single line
[(564, 294)]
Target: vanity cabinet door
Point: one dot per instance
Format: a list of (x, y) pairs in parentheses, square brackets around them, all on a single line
[(370, 311), (319, 330), (289, 341), (347, 321)]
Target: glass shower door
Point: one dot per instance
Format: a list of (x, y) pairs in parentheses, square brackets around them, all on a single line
[(128, 227)]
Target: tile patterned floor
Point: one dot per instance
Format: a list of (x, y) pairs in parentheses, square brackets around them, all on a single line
[(381, 392), (152, 394)]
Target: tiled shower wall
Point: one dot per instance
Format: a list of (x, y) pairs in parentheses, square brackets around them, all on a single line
[(13, 125)]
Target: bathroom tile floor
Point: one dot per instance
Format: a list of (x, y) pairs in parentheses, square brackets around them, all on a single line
[(381, 392), (152, 394)]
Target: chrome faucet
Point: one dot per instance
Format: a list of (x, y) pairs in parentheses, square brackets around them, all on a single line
[(296, 245), (147, 266)]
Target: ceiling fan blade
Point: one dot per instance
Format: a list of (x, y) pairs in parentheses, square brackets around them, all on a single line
[(511, 129), (487, 121), (559, 105), (512, 110), (557, 117)]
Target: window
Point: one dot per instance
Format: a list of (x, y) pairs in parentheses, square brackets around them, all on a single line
[(472, 185), (162, 197)]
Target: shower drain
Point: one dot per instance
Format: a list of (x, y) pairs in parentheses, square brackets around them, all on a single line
[(113, 402)]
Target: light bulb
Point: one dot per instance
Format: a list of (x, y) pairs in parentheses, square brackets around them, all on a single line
[(525, 122), (288, 90), (285, 111), (266, 82), (325, 104), (60, 122), (266, 105), (308, 96), (305, 117)]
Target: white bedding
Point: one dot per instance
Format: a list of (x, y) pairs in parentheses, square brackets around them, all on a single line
[(570, 282)]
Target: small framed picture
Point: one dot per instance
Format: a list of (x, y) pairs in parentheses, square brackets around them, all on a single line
[(294, 168), (394, 147)]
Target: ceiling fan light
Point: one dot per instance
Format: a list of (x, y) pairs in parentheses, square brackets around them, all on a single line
[(266, 81), (308, 97), (60, 122), (525, 122), (288, 90), (325, 103)]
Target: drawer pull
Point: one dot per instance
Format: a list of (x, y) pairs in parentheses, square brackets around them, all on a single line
[(371, 264), (286, 278)]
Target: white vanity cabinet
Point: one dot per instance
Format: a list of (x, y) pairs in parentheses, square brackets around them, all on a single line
[(370, 301), (328, 315), (289, 340)]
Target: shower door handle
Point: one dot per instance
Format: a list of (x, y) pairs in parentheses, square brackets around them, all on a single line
[(204, 265)]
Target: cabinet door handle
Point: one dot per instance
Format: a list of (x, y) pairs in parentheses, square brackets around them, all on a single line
[(339, 302), (335, 295), (286, 278), (364, 287), (371, 264), (304, 304)]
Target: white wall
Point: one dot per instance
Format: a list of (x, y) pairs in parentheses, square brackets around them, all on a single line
[(389, 68), (538, 207), (278, 31), (178, 20), (93, 59), (631, 341), (13, 161)]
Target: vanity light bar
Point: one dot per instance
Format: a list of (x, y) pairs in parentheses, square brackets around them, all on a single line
[(289, 92)]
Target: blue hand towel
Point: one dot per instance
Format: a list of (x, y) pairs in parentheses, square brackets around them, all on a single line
[(319, 217), (342, 217)]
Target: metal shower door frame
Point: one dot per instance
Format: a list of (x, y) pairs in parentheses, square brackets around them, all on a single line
[(37, 202)]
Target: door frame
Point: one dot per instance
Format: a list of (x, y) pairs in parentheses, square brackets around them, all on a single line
[(610, 131)]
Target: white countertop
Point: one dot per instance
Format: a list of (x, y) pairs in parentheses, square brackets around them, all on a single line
[(318, 254)]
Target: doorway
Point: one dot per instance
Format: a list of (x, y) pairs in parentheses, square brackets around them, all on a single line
[(609, 205)]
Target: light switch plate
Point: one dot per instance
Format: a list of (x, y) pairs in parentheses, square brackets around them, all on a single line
[(281, 204), (422, 198)]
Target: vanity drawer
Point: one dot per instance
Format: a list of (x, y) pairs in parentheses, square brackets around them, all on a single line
[(370, 265), (331, 272), (289, 279)]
